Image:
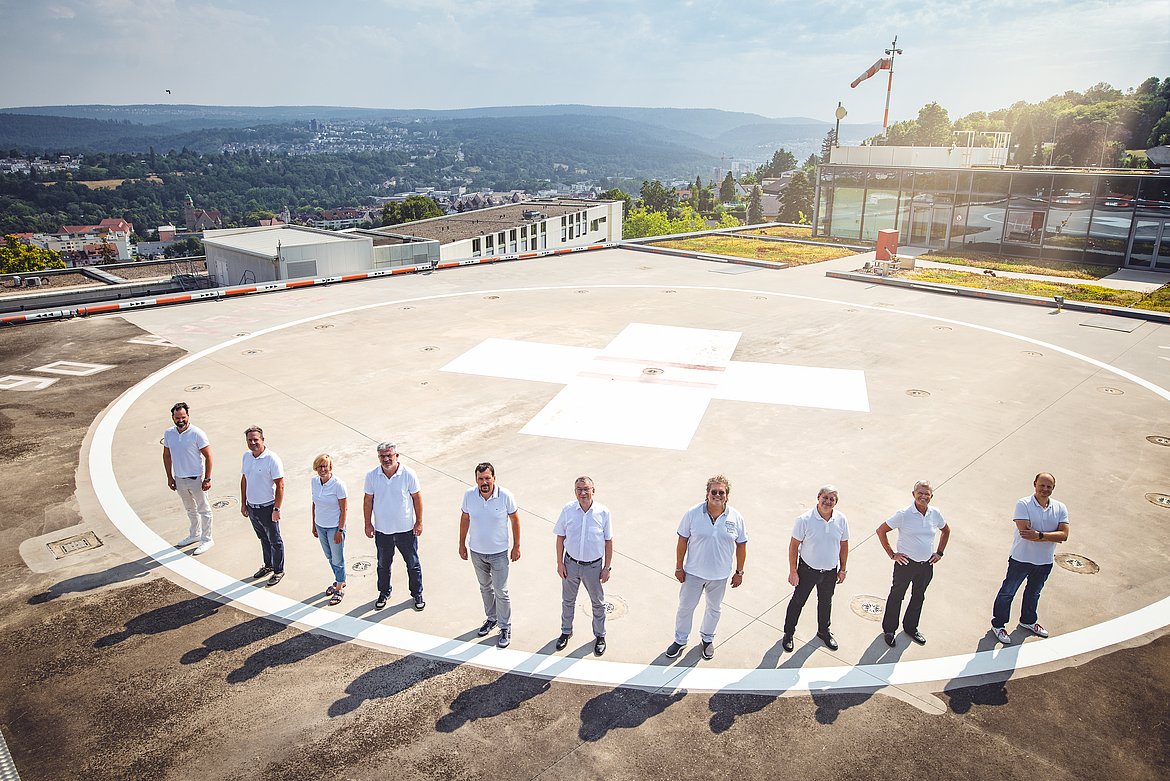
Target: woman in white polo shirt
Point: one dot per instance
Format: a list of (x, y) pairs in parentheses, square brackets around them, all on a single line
[(328, 520)]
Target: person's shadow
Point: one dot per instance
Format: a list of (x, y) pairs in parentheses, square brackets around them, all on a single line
[(162, 619), (233, 638), (970, 688), (87, 582), (831, 704), (387, 681), (726, 707)]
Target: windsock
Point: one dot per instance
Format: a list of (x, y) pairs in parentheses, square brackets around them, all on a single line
[(884, 64)]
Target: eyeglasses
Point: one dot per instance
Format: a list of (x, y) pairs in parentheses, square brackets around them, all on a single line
[(718, 493), (387, 455)]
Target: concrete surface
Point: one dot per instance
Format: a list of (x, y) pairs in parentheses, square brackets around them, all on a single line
[(118, 672)]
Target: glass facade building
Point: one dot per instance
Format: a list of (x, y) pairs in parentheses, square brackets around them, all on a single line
[(1110, 218)]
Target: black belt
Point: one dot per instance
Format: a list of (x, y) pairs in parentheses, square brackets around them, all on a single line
[(814, 569), (195, 477), (262, 506), (582, 563)]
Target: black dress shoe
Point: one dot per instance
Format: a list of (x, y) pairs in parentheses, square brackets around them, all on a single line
[(599, 646), (890, 639), (786, 643), (563, 640), (828, 639), (917, 637)]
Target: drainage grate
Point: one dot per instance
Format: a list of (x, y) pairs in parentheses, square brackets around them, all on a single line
[(1112, 391), (1162, 500), (430, 348), (220, 504), (241, 333), (868, 606), (76, 544), (918, 393), (652, 371), (759, 298), (197, 387), (943, 328), (669, 291), (323, 326), (582, 291), (615, 606), (490, 298), (1158, 440), (1033, 354), (1078, 564), (408, 307)]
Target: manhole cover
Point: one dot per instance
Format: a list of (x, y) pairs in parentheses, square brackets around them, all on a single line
[(883, 304), (1075, 563), (251, 352), (652, 371), (241, 333), (1162, 500), (669, 291), (582, 291), (75, 544), (917, 392), (1112, 391), (196, 387), (430, 348), (490, 298), (220, 504), (868, 606), (1157, 440), (323, 326), (362, 565), (759, 298), (615, 606), (408, 307), (943, 328), (1033, 354)]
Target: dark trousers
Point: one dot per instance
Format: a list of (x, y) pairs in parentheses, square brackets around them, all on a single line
[(268, 531), (918, 574), (407, 545), (808, 578), (1017, 573)]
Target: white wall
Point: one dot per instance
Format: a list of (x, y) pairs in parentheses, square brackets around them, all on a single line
[(331, 258), (919, 156)]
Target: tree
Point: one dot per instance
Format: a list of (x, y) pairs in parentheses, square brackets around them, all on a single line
[(755, 211), (827, 145), (810, 164), (1026, 145), (934, 126), (727, 189), (415, 207), (16, 257), (782, 160), (616, 194), (796, 200), (696, 194), (657, 197)]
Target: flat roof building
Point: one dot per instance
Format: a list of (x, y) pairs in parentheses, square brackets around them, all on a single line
[(947, 198)]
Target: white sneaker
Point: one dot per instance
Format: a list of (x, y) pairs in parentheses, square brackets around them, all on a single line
[(186, 541), (1001, 635), (203, 547), (1035, 629)]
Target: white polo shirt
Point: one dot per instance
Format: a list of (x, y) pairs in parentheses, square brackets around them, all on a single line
[(488, 533), (260, 472), (820, 540), (1041, 519), (186, 460), (585, 531), (326, 510), (711, 546), (916, 531), (393, 506)]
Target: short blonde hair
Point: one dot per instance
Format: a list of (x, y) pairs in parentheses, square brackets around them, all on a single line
[(324, 458), (719, 480)]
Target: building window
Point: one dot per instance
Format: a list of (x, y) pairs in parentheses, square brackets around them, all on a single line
[(490, 245), (476, 248)]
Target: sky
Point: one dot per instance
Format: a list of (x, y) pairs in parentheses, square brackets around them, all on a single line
[(783, 58)]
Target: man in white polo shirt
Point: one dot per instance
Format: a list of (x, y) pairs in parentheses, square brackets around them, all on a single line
[(393, 513), (488, 511), (914, 561), (817, 554), (261, 494), (187, 461), (709, 534), (584, 532), (1041, 523)]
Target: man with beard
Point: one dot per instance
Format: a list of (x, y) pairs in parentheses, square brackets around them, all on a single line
[(187, 461), (261, 494), (488, 511)]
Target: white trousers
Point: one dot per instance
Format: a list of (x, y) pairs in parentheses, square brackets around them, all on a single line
[(190, 490), (688, 598)]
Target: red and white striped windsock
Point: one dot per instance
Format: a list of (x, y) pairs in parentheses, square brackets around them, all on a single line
[(884, 64)]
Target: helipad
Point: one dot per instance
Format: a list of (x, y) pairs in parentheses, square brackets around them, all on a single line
[(650, 374)]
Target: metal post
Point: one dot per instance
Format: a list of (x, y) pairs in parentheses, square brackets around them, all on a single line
[(892, 52)]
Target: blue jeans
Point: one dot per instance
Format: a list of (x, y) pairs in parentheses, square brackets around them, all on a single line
[(268, 531), (407, 545), (1017, 573), (334, 551)]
